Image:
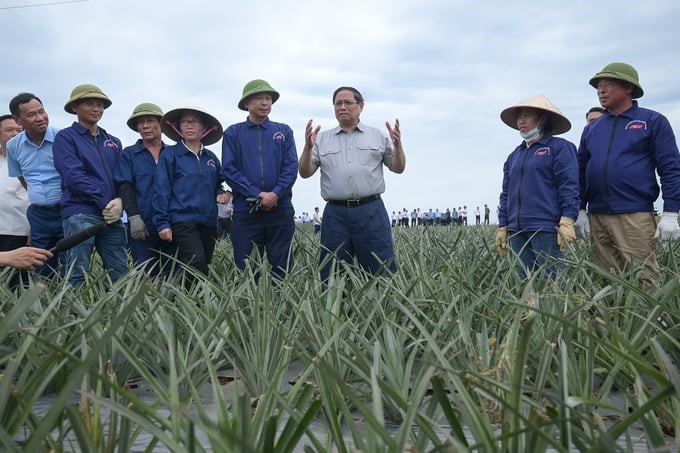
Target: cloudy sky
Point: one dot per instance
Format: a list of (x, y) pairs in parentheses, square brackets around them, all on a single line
[(445, 68)]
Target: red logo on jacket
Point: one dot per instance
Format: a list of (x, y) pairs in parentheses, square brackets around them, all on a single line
[(279, 137), (637, 124), (542, 152)]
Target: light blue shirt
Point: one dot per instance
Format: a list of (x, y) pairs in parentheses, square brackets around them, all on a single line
[(36, 165)]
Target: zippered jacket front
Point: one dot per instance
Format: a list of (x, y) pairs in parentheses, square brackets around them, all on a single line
[(86, 164), (540, 185), (185, 187), (259, 158), (619, 158)]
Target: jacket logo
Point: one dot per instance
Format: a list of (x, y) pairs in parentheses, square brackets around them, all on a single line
[(279, 137), (542, 152), (211, 163), (110, 144), (637, 124)]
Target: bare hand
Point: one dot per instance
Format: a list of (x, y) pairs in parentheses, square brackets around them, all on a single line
[(26, 258), (165, 234), (395, 132), (269, 201), (310, 134), (223, 198)]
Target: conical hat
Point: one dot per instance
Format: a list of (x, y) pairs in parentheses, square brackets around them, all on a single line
[(172, 118), (560, 124)]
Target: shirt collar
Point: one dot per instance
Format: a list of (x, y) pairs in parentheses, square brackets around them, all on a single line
[(264, 124), (139, 146), (359, 127), (50, 133), (186, 148), (545, 138), (82, 130)]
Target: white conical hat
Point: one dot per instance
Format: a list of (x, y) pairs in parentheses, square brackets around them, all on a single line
[(560, 124)]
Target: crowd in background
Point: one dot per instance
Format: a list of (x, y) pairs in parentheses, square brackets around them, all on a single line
[(459, 216)]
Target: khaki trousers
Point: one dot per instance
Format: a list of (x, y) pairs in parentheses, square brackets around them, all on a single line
[(624, 240)]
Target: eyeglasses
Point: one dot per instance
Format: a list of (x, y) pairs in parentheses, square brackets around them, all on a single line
[(190, 122), (342, 102)]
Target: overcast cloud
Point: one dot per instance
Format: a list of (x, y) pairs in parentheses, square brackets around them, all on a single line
[(445, 68)]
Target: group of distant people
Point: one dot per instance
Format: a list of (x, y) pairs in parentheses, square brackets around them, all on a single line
[(62, 182), (450, 217), (554, 192)]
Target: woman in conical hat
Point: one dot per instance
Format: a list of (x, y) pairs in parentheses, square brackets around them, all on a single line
[(540, 196), (188, 186)]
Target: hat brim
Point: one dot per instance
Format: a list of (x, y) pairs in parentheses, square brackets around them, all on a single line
[(558, 122), (132, 121), (242, 102), (105, 100), (173, 117), (638, 92)]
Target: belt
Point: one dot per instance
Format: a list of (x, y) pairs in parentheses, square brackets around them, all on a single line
[(354, 202), (47, 207)]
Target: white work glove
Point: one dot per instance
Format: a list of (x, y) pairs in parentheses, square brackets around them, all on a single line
[(668, 227), (502, 240), (582, 225), (138, 228), (113, 211)]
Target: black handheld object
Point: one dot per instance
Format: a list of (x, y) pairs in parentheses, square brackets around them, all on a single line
[(71, 241)]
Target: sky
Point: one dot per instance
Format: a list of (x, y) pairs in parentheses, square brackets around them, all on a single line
[(445, 68)]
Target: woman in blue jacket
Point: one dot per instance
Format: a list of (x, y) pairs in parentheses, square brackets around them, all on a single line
[(187, 184), (539, 200)]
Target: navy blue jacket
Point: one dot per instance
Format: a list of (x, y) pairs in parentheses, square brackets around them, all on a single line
[(86, 164), (185, 187), (136, 167), (619, 157), (540, 185), (259, 158)]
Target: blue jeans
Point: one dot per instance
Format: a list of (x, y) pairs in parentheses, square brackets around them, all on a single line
[(111, 245), (363, 232), (270, 231), (46, 230), (535, 249)]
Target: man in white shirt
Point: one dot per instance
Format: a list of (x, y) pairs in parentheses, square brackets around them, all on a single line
[(13, 197), (316, 219)]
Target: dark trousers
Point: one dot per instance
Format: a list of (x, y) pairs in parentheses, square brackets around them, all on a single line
[(195, 244), (362, 233), (223, 227), (270, 232), (152, 253)]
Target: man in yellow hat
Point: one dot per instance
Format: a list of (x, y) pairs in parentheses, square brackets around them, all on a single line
[(259, 162), (619, 157), (86, 155), (134, 177)]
